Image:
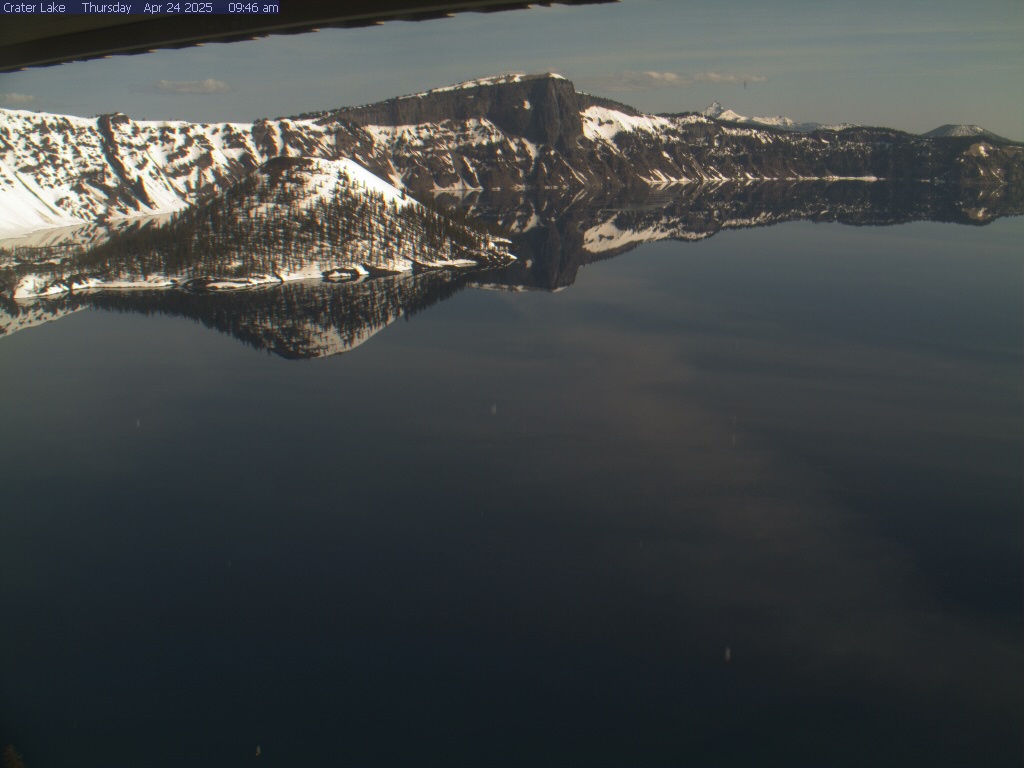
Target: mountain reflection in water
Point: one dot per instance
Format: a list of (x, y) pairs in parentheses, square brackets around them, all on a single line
[(752, 500), (554, 234), (295, 320)]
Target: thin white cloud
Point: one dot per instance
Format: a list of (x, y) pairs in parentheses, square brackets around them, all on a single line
[(646, 81), (16, 99), (720, 77), (209, 85)]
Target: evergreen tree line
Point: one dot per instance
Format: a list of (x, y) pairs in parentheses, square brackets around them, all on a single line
[(278, 222)]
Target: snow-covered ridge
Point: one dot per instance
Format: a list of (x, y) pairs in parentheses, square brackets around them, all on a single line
[(515, 77), (59, 170), (717, 112)]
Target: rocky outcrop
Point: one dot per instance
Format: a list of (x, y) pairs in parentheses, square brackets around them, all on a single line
[(542, 109)]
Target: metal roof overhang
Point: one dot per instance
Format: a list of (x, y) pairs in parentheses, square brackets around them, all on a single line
[(43, 40)]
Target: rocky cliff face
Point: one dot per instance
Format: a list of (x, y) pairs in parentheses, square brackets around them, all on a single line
[(538, 132), (542, 109), (512, 132)]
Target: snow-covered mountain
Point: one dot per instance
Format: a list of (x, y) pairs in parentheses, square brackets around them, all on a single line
[(58, 170), (292, 219), (539, 132), (717, 112), (960, 131), (509, 132)]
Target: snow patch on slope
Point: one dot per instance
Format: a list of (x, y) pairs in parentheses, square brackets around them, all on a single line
[(603, 124)]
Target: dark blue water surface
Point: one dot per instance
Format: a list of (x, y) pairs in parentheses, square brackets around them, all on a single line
[(749, 501)]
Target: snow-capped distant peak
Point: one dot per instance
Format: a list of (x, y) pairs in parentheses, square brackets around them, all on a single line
[(718, 112), (714, 110), (973, 131), (957, 130)]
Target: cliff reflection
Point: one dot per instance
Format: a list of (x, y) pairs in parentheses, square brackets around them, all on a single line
[(554, 234)]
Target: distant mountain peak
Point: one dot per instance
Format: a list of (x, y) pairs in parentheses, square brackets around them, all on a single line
[(714, 109), (958, 130), (718, 112)]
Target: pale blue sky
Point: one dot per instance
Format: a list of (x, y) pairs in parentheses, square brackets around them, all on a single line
[(909, 65)]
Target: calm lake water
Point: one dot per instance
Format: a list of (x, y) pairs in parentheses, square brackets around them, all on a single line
[(748, 501)]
